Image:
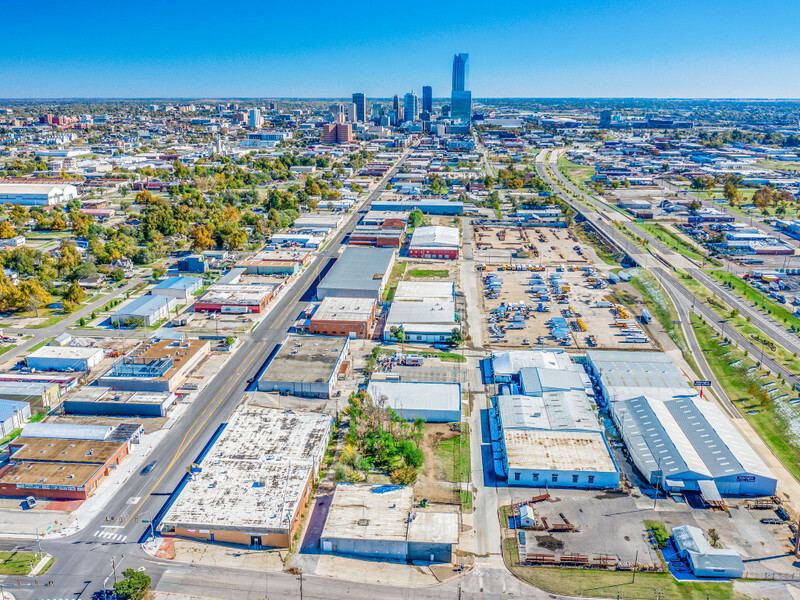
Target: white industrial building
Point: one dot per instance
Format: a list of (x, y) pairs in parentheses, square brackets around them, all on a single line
[(424, 291), (37, 194), (306, 366), (676, 440), (704, 560), (380, 521), (253, 484), (431, 402), (423, 321), (505, 366), (64, 358), (544, 426), (686, 443)]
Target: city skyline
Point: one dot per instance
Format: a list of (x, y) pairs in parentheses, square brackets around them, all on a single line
[(585, 49)]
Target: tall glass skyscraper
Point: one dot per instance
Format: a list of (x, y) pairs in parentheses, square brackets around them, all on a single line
[(427, 99), (460, 72), (461, 97), (411, 107), (360, 100)]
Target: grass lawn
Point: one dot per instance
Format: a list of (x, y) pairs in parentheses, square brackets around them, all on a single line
[(779, 165), (731, 368), (12, 435), (6, 347), (444, 356), (613, 584), (429, 272), (661, 307), (578, 174), (50, 321), (44, 342), (398, 270), (590, 240), (19, 563), (675, 242), (778, 311), (452, 457)]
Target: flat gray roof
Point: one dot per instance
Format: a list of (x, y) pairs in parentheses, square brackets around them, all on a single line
[(416, 396), (359, 269), (305, 358), (255, 474), (335, 308), (385, 513)]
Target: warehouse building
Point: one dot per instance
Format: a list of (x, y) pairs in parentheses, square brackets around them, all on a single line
[(704, 560), (435, 242), (278, 261), (676, 440), (64, 358), (156, 365), (95, 400), (145, 310), (237, 298), (380, 522), (358, 273), (352, 317), (253, 485), (37, 194), (64, 468), (544, 427), (13, 415), (685, 443), (505, 366), (380, 237), (41, 395), (424, 321), (424, 291), (307, 366), (431, 402), (181, 288), (428, 207)]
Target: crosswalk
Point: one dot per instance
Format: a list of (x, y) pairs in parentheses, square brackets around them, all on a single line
[(110, 535)]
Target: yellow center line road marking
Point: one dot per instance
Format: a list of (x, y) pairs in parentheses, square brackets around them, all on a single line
[(218, 398)]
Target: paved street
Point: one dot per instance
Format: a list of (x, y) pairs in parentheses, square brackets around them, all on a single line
[(84, 559)]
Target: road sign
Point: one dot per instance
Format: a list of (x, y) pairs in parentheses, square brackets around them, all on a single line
[(702, 383)]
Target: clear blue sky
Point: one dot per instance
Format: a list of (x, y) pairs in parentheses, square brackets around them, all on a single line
[(699, 48)]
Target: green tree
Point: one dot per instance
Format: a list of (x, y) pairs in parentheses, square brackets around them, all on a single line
[(32, 295), (117, 274), (75, 293), (134, 586), (456, 337)]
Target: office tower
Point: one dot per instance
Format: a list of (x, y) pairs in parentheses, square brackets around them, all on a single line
[(255, 120), (461, 106), (360, 100), (329, 133), (411, 105), (427, 99), (377, 112), (446, 110), (461, 97), (605, 119), (396, 105), (460, 72), (337, 133), (351, 113)]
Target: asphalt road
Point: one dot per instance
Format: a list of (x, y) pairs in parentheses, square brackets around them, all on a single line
[(664, 275), (84, 560)]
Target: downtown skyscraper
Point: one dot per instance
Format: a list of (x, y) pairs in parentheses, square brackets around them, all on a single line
[(427, 99), (360, 100), (460, 96)]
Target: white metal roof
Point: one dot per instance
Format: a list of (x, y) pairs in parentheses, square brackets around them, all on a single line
[(411, 395), (435, 235)]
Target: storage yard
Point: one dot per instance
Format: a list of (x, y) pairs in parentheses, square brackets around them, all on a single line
[(562, 306), (498, 245)]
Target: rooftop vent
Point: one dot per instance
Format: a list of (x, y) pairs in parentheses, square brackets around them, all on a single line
[(363, 522)]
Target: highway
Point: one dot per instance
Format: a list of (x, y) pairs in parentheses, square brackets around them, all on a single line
[(664, 275), (83, 560)]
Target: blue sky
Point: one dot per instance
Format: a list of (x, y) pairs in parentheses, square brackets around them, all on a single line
[(700, 48)]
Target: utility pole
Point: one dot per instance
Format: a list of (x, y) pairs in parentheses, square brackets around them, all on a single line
[(114, 569), (635, 566), (797, 538), (301, 585)]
